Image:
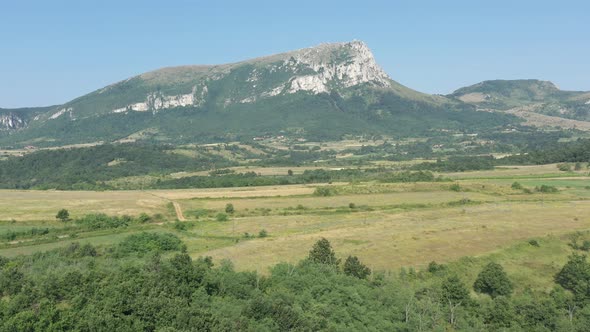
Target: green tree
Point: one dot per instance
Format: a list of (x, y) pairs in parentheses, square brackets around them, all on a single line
[(229, 208), (575, 276), (63, 215), (322, 253), (501, 314), (454, 295), (353, 267), (492, 280), (290, 172)]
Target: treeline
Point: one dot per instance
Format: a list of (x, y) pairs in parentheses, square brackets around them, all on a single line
[(458, 164), (250, 179), (71, 227), (576, 151), (149, 283), (90, 168)]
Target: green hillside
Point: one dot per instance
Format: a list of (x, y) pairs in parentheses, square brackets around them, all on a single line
[(321, 93), (532, 95)]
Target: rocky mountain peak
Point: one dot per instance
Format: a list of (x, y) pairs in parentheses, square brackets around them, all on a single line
[(343, 64)]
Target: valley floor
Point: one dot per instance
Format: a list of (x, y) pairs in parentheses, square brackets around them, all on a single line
[(388, 226)]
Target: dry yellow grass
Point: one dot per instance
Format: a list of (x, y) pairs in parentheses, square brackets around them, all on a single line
[(380, 199), (390, 240), (43, 205)]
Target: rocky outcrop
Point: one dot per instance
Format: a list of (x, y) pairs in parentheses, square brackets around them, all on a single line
[(350, 64), (11, 121), (158, 101)]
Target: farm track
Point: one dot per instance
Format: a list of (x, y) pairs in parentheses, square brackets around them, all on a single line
[(179, 214)]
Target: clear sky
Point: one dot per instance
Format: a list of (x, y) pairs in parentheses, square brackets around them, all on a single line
[(54, 51)]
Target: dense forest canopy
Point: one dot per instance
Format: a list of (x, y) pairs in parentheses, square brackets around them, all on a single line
[(148, 283)]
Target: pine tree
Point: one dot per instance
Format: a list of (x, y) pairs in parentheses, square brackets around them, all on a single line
[(353, 267), (322, 253)]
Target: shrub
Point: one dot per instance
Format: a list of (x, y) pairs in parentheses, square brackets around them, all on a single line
[(180, 226), (323, 191), (102, 221), (263, 233), (63, 215), (455, 187), (229, 208), (546, 189), (516, 186), (149, 242), (534, 243), (434, 267), (144, 217), (221, 217), (198, 213), (351, 205)]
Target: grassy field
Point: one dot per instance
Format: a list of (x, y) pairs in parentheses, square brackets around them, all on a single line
[(388, 226)]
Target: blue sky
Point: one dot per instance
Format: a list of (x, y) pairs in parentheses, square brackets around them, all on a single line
[(54, 51)]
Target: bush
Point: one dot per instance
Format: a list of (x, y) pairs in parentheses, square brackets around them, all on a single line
[(180, 226), (564, 167), (144, 217), (546, 189), (102, 221), (221, 217), (63, 215), (434, 267), (149, 242), (516, 186), (229, 208), (534, 243), (198, 213), (455, 187), (323, 191), (262, 233)]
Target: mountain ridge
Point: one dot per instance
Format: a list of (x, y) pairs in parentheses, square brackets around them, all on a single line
[(322, 92)]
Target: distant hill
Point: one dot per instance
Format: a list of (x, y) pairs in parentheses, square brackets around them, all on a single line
[(531, 99), (322, 93)]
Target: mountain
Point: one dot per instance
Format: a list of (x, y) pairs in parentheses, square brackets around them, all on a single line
[(534, 100), (323, 92)]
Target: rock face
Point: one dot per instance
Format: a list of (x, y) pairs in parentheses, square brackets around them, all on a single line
[(11, 121), (350, 64)]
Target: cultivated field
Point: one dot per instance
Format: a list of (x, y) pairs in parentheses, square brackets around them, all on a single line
[(388, 226)]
